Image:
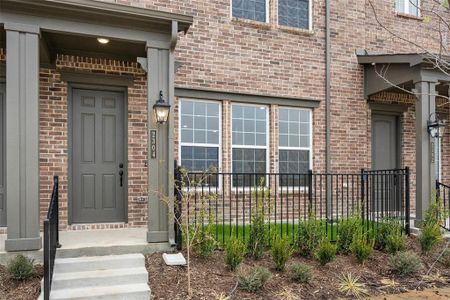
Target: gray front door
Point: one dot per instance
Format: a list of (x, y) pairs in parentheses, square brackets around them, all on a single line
[(2, 156), (98, 157), (385, 157), (384, 142)]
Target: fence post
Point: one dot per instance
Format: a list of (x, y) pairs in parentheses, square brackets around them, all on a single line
[(407, 202), (178, 206), (310, 196), (438, 190), (47, 272), (56, 185), (362, 194)]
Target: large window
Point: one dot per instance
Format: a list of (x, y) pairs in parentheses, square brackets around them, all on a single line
[(249, 143), (294, 145), (200, 135), (294, 13), (410, 7), (256, 10)]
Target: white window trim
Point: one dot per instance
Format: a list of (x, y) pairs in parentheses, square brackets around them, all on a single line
[(201, 144), (310, 148), (267, 147), (310, 16), (407, 8), (267, 12)]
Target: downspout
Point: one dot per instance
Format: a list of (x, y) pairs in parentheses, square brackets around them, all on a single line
[(327, 87)]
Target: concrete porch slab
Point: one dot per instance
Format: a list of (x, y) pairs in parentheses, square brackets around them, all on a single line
[(79, 243)]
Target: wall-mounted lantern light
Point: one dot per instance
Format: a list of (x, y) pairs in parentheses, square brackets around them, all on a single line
[(161, 109), (435, 126)]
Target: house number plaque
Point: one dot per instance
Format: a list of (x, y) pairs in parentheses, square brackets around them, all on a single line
[(152, 143)]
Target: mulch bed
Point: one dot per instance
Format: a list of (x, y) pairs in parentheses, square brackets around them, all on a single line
[(210, 277), (20, 290)]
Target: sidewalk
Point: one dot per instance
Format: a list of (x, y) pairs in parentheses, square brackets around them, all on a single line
[(418, 295)]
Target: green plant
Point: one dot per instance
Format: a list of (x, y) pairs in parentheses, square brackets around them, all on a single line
[(395, 241), (326, 252), (254, 279), (429, 236), (301, 273), (20, 267), (361, 246), (347, 230), (234, 253), (351, 286), (259, 230), (405, 263), (445, 258), (309, 235), (281, 250), (204, 242)]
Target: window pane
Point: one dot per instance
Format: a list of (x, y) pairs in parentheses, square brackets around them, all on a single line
[(294, 13), (296, 164), (250, 9), (199, 122), (199, 159), (249, 125), (248, 161), (294, 128)]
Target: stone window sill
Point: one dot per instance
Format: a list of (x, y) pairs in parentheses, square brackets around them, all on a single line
[(408, 16), (252, 23), (295, 30)]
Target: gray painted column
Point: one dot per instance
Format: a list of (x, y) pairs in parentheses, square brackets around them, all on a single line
[(22, 137), (425, 166), (160, 65)]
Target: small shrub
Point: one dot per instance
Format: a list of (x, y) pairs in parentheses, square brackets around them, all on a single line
[(281, 251), (430, 235), (395, 241), (258, 237), (326, 252), (382, 233), (309, 235), (361, 247), (254, 280), (347, 230), (351, 286), (234, 253), (204, 242), (405, 263), (301, 273), (445, 258), (20, 267)]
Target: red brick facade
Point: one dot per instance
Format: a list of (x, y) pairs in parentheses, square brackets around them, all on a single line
[(221, 53)]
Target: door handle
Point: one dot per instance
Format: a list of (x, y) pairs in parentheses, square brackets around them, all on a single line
[(121, 177)]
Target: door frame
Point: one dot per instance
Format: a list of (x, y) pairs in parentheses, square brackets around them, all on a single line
[(121, 89), (3, 145), (396, 110)]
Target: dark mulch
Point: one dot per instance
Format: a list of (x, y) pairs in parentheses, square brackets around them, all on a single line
[(210, 277), (20, 290)]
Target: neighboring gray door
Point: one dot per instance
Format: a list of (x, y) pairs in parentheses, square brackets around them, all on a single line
[(384, 142), (2, 156), (98, 157), (385, 156)]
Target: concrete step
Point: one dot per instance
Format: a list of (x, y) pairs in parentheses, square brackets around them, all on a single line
[(96, 263), (137, 291), (99, 278)]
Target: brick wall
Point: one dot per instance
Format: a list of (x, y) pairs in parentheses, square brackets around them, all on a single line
[(54, 135)]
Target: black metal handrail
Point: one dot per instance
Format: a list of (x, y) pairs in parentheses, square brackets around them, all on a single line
[(230, 199), (443, 193), (51, 238)]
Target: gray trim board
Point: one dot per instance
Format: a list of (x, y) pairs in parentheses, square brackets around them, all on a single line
[(97, 79), (248, 98), (70, 87), (392, 108)]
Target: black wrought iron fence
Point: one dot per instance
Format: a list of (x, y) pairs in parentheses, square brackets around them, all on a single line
[(51, 238), (443, 194), (226, 202)]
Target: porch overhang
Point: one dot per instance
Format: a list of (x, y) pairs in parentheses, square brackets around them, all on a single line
[(424, 77), (386, 72), (33, 32)]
